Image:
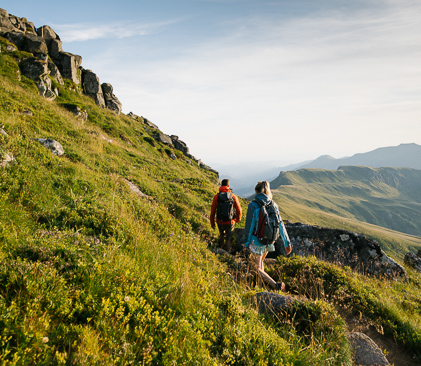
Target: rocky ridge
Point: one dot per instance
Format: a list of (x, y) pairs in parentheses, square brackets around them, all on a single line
[(46, 61), (43, 60)]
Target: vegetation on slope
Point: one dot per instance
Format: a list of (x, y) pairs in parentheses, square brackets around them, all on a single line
[(91, 273)]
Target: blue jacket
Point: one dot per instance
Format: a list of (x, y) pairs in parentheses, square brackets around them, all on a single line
[(252, 219)]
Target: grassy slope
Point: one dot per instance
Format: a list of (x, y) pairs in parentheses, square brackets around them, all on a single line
[(92, 274), (347, 199)]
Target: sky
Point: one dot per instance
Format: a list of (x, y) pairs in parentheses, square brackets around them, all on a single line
[(254, 81)]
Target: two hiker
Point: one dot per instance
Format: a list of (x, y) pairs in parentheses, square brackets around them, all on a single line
[(263, 226), (228, 211)]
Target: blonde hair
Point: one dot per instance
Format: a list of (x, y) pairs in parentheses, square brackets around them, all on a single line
[(263, 187)]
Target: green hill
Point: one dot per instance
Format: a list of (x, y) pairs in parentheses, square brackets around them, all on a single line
[(359, 199), (93, 273)]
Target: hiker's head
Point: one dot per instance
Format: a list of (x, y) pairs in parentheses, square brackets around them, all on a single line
[(263, 187), (225, 182)]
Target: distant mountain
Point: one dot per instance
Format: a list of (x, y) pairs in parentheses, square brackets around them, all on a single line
[(402, 156), (387, 197)]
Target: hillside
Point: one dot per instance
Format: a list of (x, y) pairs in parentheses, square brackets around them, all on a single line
[(105, 247), (402, 156), (351, 196)]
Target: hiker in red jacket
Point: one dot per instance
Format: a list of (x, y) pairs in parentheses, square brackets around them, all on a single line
[(228, 211)]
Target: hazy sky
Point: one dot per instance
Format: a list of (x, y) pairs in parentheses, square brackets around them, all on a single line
[(243, 81)]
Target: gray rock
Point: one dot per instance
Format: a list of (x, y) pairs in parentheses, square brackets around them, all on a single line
[(35, 44), (34, 69), (272, 303), (5, 21), (135, 189), (150, 124), (17, 23), (47, 32), (180, 145), (68, 65), (79, 113), (342, 248), (55, 48), (165, 139), (6, 159), (413, 260), (366, 352), (53, 145), (55, 72), (30, 27), (16, 38), (111, 101), (92, 87), (3, 132), (27, 112)]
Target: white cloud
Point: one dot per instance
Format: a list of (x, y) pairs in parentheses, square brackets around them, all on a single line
[(87, 31)]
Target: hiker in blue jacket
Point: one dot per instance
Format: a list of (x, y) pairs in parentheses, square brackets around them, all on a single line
[(257, 249)]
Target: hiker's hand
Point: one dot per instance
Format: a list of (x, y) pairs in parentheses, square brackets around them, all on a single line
[(288, 249)]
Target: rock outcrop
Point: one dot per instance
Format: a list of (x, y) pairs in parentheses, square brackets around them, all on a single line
[(111, 101), (43, 42), (341, 247), (92, 87), (344, 248)]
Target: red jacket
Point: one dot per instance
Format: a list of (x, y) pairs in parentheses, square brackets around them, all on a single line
[(215, 204)]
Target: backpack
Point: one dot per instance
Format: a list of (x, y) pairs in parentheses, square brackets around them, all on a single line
[(225, 209), (267, 227)]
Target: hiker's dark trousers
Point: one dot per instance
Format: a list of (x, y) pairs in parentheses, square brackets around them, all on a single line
[(225, 235)]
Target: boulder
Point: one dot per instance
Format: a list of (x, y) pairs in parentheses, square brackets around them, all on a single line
[(47, 32), (111, 101), (165, 139), (365, 351), (53, 145), (35, 44), (413, 260), (54, 48), (272, 303), (92, 87), (16, 38), (33, 68), (180, 145), (68, 65)]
